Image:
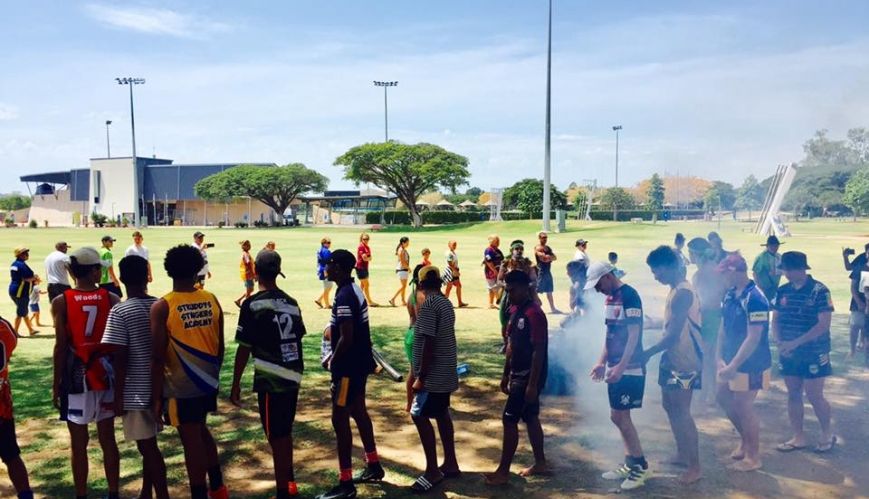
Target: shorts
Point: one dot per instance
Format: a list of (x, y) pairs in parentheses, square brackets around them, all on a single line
[(327, 284), (710, 322), (857, 319), (139, 425), (21, 305), (492, 284), (806, 366), (55, 290), (89, 407), (670, 379), (516, 408), (9, 449), (248, 284), (430, 405), (111, 288), (179, 411), (34, 307), (627, 393), (361, 274), (545, 282), (277, 412), (346, 389), (746, 382), (402, 274)]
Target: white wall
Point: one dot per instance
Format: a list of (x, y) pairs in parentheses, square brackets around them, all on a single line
[(56, 208), (116, 189)]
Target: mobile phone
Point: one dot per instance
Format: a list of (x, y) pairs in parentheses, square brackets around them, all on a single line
[(209, 245)]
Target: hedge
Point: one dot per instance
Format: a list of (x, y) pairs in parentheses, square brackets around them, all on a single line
[(452, 217)]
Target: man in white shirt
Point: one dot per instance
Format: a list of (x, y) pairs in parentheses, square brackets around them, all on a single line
[(581, 255), (199, 243), (57, 270), (138, 249)]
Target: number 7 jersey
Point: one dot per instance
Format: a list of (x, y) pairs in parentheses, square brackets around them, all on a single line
[(86, 315)]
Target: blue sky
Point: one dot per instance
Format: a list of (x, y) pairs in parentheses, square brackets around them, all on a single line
[(714, 89)]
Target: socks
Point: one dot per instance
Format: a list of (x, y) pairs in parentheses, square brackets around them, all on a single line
[(292, 491), (637, 461), (215, 478), (372, 457), (345, 475)]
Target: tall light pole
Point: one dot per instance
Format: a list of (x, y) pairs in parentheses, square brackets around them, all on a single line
[(108, 143), (385, 85), (616, 129), (131, 82), (546, 155)]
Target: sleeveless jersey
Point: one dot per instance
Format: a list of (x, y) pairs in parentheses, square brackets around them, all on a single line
[(8, 341), (687, 353), (86, 316), (192, 362)]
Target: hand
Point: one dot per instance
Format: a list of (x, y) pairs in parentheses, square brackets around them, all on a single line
[(208, 275), (597, 372), (55, 396), (787, 348), (418, 385), (157, 412), (530, 394), (150, 278), (615, 374), (235, 395), (726, 373), (505, 385)]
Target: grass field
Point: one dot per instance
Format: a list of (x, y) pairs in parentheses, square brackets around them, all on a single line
[(244, 453)]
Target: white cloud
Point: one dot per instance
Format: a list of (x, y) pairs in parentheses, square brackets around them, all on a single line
[(155, 21), (8, 112)]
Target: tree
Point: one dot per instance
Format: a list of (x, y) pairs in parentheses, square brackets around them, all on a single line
[(527, 196), (617, 197), (857, 191), (14, 201), (408, 170), (720, 194), (473, 193), (655, 193), (276, 187), (750, 195)]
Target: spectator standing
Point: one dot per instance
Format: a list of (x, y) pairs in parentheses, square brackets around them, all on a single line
[(323, 255), (108, 279), (57, 270), (140, 250), (710, 287), (247, 272), (544, 256), (35, 295), (858, 307), (20, 284), (363, 260), (453, 274), (492, 259), (402, 270), (205, 271), (765, 269)]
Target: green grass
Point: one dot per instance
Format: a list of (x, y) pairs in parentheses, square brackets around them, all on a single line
[(240, 438)]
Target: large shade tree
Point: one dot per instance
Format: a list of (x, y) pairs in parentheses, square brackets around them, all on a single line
[(407, 170), (276, 187), (857, 191), (527, 196), (750, 195)]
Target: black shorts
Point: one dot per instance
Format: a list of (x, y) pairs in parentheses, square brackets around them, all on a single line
[(55, 290), (361, 273), (111, 288), (430, 405), (627, 393), (806, 366), (277, 412), (21, 305), (516, 408), (679, 380), (177, 412), (8, 443), (346, 389)]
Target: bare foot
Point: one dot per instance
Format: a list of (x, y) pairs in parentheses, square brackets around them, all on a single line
[(689, 477), (738, 454), (496, 478), (493, 307), (676, 461), (538, 469), (746, 465)]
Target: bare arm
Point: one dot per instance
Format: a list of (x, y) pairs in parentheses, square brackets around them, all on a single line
[(61, 346), (747, 348), (678, 315), (159, 314), (344, 342), (859, 297), (241, 357), (537, 358)]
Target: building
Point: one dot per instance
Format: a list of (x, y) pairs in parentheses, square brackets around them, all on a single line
[(345, 207), (109, 187)]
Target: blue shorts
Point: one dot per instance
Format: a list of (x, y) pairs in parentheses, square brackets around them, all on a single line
[(248, 284), (34, 307), (545, 282), (806, 366), (430, 405)]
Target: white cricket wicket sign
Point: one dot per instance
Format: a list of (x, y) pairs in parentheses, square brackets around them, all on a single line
[(770, 221)]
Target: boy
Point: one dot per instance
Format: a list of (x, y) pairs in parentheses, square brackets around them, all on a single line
[(278, 364), (246, 271), (10, 454), (35, 292), (187, 327), (524, 376), (129, 330), (82, 389), (613, 258)]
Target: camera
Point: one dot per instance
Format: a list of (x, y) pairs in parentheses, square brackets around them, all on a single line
[(211, 245), (849, 251)]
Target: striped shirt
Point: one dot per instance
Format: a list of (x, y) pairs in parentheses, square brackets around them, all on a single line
[(350, 306), (129, 325), (436, 322), (798, 311)]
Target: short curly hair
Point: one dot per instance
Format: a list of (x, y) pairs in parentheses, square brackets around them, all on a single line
[(183, 262)]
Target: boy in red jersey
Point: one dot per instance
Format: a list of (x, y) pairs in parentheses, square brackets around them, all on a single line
[(10, 454), (82, 387)]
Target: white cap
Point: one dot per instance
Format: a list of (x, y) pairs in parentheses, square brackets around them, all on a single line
[(595, 271), (86, 256)]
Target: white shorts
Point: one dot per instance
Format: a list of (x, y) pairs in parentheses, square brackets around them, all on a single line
[(402, 274), (139, 425), (327, 284), (857, 319), (493, 284), (90, 407)]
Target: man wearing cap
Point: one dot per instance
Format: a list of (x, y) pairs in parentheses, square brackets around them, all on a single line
[(525, 371), (802, 311), (139, 249), (57, 270), (435, 378), (108, 280), (82, 387), (621, 366), (20, 286), (278, 363), (545, 282), (744, 360), (492, 259), (580, 254), (350, 364), (765, 269), (204, 272), (516, 263)]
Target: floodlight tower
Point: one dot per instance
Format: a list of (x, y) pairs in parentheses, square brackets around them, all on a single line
[(385, 85), (108, 143), (616, 129), (547, 187), (132, 82)]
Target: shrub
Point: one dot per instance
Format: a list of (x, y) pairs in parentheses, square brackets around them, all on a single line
[(33, 224)]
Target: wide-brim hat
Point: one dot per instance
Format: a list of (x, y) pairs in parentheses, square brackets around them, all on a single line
[(772, 241), (794, 260)]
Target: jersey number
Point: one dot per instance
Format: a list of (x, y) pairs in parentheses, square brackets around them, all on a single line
[(285, 325), (92, 311)]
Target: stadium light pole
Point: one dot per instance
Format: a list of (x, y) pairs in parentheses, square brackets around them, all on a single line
[(616, 129), (385, 85), (132, 82), (108, 143), (547, 188)]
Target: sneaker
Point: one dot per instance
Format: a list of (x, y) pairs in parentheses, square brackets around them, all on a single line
[(373, 472), (220, 493), (619, 473), (344, 490), (636, 478)]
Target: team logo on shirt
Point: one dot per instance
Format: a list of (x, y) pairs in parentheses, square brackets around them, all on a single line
[(521, 323)]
